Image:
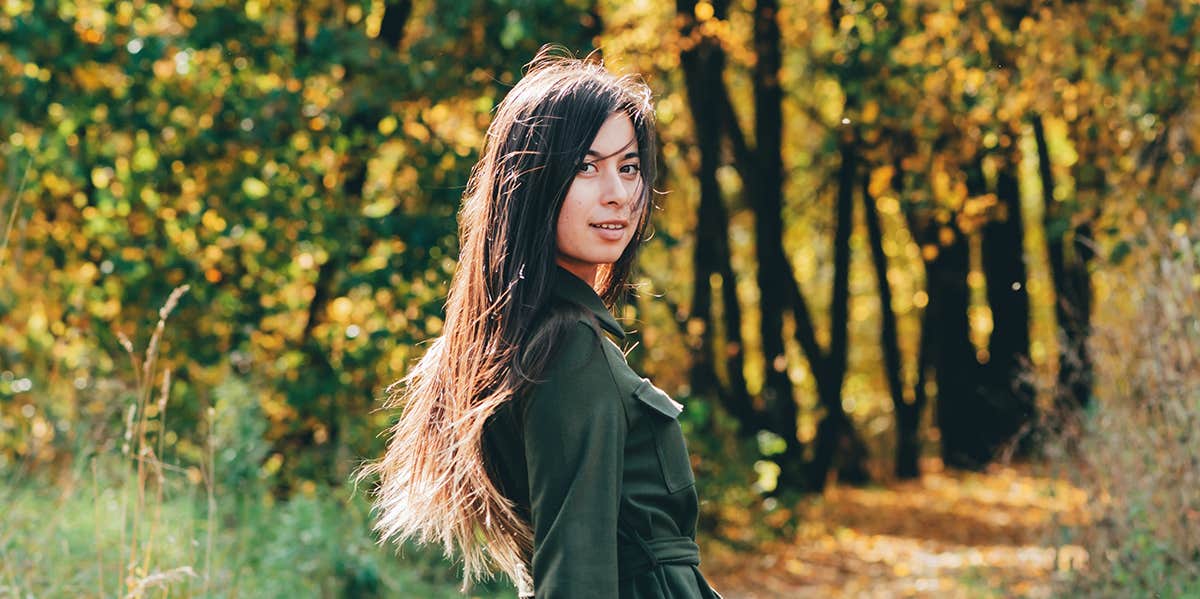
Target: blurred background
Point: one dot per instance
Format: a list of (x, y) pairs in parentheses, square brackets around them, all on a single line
[(923, 272)]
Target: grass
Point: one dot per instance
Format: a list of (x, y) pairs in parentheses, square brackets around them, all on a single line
[(70, 539), (120, 521), (76, 537)]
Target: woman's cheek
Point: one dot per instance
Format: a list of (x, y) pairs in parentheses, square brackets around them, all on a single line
[(568, 233)]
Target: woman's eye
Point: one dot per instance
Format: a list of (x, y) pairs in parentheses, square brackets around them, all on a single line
[(583, 167), (631, 168)]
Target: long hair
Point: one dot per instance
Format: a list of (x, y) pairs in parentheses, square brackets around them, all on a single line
[(434, 483)]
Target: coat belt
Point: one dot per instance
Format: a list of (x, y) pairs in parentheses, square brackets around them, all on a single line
[(642, 555)]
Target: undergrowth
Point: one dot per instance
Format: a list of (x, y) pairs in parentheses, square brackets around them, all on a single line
[(122, 519), (1136, 448)]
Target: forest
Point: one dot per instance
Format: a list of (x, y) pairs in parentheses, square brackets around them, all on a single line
[(924, 273)]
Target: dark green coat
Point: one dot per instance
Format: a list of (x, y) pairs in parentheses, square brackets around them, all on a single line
[(594, 458)]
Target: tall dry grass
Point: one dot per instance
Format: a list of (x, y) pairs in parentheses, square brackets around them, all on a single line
[(14, 204), (1136, 450), (136, 569), (110, 508)]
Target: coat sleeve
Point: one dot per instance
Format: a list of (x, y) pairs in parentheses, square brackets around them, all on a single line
[(574, 445)]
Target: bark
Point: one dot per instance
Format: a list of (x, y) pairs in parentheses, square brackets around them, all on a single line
[(1009, 397), (1070, 253), (703, 375), (395, 17), (761, 169), (301, 26), (836, 431), (981, 407), (908, 418), (765, 190), (703, 65), (907, 415), (952, 354), (731, 312)]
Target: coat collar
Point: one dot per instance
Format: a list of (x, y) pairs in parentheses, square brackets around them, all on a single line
[(574, 289)]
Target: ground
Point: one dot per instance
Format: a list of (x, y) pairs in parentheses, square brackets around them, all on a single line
[(999, 533)]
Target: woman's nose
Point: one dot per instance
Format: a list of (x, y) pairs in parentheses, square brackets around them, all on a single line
[(614, 189)]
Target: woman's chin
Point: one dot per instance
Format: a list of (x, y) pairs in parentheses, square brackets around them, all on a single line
[(605, 259), (596, 256)]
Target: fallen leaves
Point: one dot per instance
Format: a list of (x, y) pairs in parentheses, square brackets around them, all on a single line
[(948, 534)]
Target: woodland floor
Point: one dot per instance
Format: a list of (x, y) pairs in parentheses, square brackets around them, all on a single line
[(991, 534)]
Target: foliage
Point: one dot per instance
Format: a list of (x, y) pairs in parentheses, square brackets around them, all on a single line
[(299, 165), (126, 520), (237, 434), (1136, 449), (243, 148)]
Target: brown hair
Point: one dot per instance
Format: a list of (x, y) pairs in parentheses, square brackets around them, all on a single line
[(434, 484)]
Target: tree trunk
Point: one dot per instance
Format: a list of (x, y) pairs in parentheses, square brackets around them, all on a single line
[(765, 190), (395, 17), (761, 170), (703, 65), (1070, 252), (836, 431), (953, 355), (1009, 395), (907, 415)]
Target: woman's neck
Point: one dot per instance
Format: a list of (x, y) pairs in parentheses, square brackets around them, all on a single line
[(583, 270)]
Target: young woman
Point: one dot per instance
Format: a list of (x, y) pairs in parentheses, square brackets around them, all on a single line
[(526, 442)]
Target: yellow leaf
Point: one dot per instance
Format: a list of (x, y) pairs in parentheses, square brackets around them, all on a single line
[(946, 236), (388, 125), (380, 208), (271, 466), (929, 252), (881, 180), (920, 299), (870, 112), (144, 159), (340, 309), (254, 188), (300, 141), (416, 131), (101, 177)]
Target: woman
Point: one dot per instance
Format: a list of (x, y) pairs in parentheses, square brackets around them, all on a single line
[(526, 442)]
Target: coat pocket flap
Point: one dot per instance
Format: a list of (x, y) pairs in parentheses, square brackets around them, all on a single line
[(657, 399)]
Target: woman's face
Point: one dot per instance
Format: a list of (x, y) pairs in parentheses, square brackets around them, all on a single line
[(599, 215)]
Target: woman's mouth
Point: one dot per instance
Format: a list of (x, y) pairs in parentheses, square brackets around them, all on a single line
[(610, 230)]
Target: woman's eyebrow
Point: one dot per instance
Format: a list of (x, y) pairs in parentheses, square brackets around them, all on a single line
[(627, 155)]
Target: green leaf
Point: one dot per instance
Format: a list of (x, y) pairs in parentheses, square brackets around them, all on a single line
[(1119, 252), (513, 32), (1181, 23)]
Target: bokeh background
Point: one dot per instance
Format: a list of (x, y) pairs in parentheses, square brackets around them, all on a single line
[(923, 272)]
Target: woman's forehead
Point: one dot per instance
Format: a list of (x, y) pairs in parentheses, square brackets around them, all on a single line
[(615, 137)]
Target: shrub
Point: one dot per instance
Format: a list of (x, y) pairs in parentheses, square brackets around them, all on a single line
[(1137, 447)]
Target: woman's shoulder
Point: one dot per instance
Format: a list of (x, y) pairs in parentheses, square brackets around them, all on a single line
[(576, 378), (577, 343)]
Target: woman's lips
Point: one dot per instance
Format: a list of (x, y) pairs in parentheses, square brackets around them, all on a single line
[(610, 231)]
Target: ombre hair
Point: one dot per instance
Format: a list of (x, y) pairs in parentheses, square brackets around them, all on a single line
[(434, 483)]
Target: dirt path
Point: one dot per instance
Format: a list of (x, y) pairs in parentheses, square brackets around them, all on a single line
[(993, 534)]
